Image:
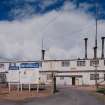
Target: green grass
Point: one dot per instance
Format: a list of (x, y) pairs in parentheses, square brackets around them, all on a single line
[(101, 90)]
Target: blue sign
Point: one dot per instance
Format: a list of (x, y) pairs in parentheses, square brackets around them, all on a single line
[(29, 65), (13, 66)]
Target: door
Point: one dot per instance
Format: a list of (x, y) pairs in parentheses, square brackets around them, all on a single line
[(73, 81)]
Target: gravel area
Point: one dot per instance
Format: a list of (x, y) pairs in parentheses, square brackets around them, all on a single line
[(65, 96)]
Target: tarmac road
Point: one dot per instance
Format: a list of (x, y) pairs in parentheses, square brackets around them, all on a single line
[(66, 96)]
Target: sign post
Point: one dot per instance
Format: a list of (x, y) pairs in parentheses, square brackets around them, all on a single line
[(53, 83)]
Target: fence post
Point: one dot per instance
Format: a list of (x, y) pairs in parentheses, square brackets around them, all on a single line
[(18, 86), (21, 87), (29, 87), (9, 86)]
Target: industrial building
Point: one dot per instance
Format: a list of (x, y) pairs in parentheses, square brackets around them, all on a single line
[(83, 72), (67, 72), (74, 72)]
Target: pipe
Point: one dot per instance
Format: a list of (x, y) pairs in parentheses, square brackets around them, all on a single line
[(102, 54), (95, 52), (43, 54), (86, 39)]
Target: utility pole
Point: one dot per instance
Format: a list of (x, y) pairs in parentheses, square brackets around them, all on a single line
[(96, 24), (95, 48)]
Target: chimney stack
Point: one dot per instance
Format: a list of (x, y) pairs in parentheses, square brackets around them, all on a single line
[(86, 39), (102, 54), (95, 52), (43, 55), (43, 51)]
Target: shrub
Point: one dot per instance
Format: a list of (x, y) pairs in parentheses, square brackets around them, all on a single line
[(101, 90)]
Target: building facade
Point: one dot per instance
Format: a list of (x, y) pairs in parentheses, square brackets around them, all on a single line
[(67, 72), (74, 72)]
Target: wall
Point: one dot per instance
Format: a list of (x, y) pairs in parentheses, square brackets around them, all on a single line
[(85, 80)]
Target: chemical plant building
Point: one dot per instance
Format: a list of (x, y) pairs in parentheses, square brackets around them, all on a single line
[(67, 72)]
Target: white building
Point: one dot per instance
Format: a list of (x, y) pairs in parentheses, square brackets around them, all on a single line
[(67, 72), (74, 72)]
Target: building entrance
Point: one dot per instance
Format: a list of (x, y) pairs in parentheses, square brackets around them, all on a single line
[(73, 81)]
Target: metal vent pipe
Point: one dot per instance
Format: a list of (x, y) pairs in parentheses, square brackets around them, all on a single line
[(102, 53), (86, 39), (43, 54)]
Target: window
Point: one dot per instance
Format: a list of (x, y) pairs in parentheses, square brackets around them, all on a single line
[(94, 76), (2, 78), (65, 63), (104, 76), (49, 76), (104, 62), (1, 65), (61, 78), (94, 62), (80, 63)]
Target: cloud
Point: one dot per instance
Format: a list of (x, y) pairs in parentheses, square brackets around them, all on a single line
[(20, 13), (20, 10), (63, 33)]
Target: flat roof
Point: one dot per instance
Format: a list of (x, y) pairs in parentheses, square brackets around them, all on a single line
[(72, 59), (47, 60), (66, 71)]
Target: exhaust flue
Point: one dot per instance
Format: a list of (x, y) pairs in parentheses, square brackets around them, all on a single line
[(43, 54), (86, 39), (95, 52), (102, 54)]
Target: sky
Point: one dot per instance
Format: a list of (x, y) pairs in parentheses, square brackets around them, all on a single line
[(62, 24)]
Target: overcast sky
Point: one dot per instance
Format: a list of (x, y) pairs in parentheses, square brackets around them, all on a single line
[(62, 24)]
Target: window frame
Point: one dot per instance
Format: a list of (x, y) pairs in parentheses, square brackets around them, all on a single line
[(65, 63), (94, 62), (61, 78), (104, 62), (49, 76), (81, 63), (94, 76), (104, 77)]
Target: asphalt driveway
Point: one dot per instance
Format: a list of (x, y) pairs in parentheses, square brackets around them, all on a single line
[(66, 96)]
